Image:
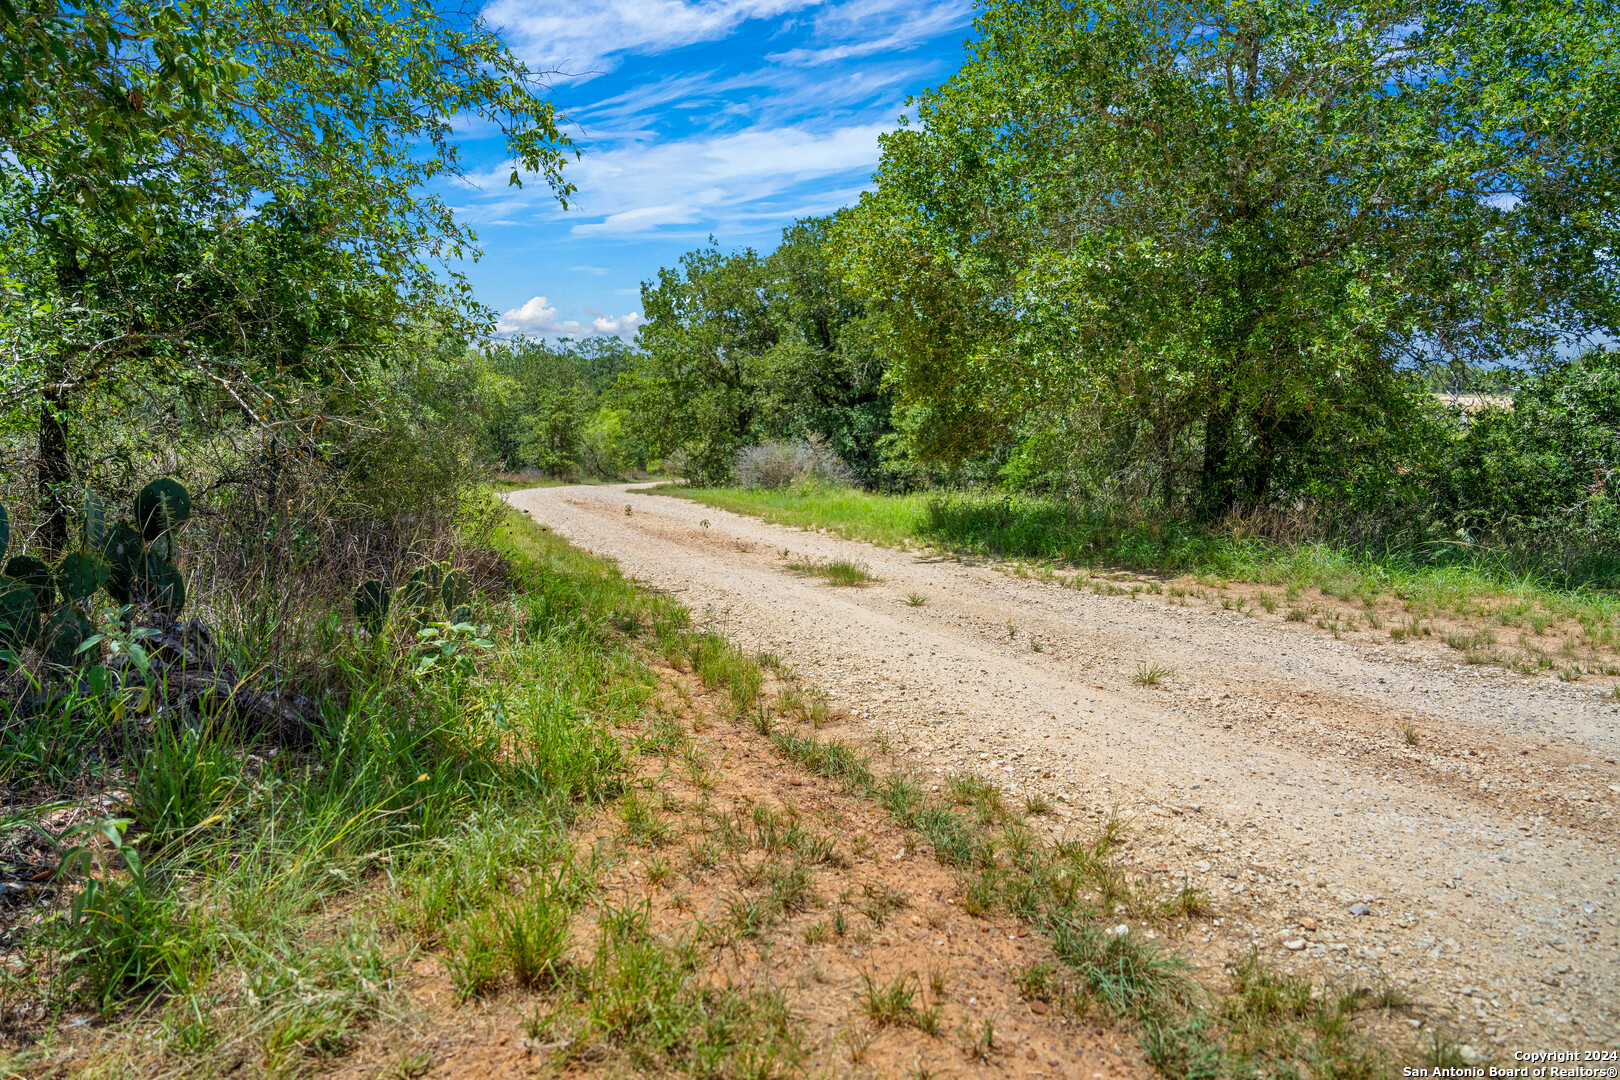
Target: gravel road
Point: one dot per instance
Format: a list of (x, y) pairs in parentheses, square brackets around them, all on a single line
[(1477, 870)]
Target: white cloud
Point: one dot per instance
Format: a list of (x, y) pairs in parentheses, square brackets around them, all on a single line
[(534, 317), (537, 318), (619, 325), (868, 27), (641, 186), (712, 182), (580, 38)]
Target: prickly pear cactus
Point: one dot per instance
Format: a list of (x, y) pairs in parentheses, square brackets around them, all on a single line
[(81, 574), (93, 520), (456, 591), (124, 550), (162, 585), (422, 588), (64, 632), (19, 615), (162, 506), (37, 576), (371, 603)]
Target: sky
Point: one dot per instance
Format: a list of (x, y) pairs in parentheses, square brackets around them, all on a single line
[(723, 118)]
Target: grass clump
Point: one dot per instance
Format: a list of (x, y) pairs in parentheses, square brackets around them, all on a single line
[(837, 572)]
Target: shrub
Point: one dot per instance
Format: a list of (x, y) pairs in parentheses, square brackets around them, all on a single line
[(778, 465)]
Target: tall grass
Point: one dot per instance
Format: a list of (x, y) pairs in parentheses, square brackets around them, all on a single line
[(1435, 575), (455, 784)]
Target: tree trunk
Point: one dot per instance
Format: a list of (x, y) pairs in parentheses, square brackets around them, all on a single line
[(1214, 481), (1260, 479), (54, 475)]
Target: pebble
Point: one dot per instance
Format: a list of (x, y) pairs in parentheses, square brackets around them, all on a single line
[(1360, 909), (1294, 945)]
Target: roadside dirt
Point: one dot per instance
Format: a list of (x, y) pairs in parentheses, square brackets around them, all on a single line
[(877, 911), (1273, 768)]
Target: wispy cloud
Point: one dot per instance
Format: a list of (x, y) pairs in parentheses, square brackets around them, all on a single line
[(874, 27), (643, 186), (583, 37), (696, 118)]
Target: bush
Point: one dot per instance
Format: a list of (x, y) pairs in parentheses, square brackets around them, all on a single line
[(778, 465), (1542, 472)]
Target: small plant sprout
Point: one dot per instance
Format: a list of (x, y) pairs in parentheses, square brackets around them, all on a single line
[(1151, 674), (916, 599), (626, 509), (704, 523), (1410, 734)]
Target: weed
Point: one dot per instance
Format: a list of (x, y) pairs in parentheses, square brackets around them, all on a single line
[(1039, 981), (916, 599), (793, 889), (895, 1005), (837, 572), (1269, 602), (1186, 902), (1409, 733), (1036, 804), (1153, 675), (748, 917), (881, 902), (978, 1043)]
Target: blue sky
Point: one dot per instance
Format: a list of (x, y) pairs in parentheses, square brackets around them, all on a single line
[(722, 117)]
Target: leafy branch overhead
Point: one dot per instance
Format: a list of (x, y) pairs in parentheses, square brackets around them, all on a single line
[(226, 202)]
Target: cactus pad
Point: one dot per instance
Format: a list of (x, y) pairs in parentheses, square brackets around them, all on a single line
[(371, 603), (64, 632), (124, 550), (19, 614), (163, 586), (36, 575), (422, 588), (93, 520), (81, 574), (162, 505), (456, 590)]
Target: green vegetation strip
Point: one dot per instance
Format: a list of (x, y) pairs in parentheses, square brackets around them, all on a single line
[(1440, 578)]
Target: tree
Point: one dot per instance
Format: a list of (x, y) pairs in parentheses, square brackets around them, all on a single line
[(697, 387), (1239, 222), (228, 197), (738, 349), (825, 373)]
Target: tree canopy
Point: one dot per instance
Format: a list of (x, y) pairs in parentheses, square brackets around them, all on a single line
[(226, 201), (1229, 227)]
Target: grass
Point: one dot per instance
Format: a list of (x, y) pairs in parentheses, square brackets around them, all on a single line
[(1152, 674), (270, 904), (1478, 586), (841, 572), (206, 913)]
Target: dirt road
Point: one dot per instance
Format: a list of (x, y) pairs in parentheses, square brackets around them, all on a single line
[(1477, 868)]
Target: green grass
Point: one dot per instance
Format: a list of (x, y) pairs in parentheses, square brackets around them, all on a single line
[(1513, 588), (855, 515), (202, 911), (836, 572)]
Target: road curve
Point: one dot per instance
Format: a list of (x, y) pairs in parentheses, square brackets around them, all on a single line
[(1272, 770)]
